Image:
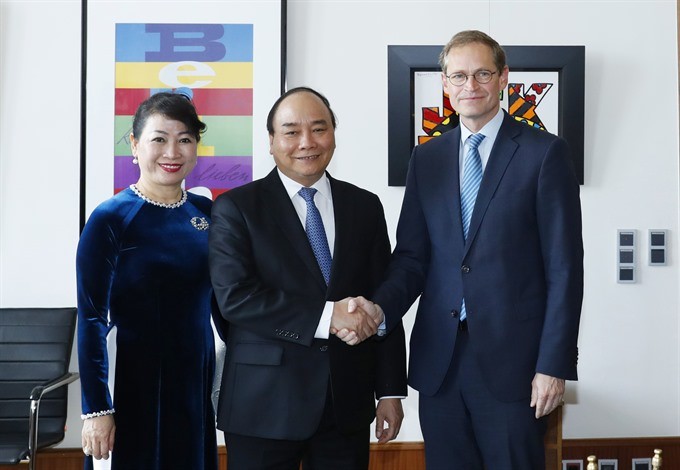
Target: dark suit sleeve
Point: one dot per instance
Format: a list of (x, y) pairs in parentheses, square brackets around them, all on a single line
[(559, 223), (411, 257), (390, 379), (242, 296), (221, 325)]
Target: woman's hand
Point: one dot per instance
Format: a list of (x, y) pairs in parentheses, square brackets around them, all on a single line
[(98, 436)]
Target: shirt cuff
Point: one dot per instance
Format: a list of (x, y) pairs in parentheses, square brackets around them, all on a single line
[(382, 329), (323, 329)]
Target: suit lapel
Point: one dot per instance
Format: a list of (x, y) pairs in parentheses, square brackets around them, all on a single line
[(276, 199), (343, 215), (503, 151), (448, 171)]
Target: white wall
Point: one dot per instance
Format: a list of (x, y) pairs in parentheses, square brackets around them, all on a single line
[(39, 160), (629, 360)]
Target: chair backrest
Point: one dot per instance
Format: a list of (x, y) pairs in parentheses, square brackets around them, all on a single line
[(35, 347)]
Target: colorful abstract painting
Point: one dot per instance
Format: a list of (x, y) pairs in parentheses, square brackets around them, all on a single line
[(214, 64)]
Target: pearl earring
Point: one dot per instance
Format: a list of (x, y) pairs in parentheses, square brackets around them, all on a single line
[(134, 160)]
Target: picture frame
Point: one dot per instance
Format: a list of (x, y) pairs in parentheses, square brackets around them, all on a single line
[(641, 463), (403, 62), (608, 464), (572, 464), (103, 136)]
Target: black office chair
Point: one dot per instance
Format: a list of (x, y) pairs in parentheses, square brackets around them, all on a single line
[(35, 351)]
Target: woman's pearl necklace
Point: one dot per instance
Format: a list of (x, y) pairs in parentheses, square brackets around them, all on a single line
[(174, 205)]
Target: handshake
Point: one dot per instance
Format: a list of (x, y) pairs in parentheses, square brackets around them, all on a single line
[(355, 319)]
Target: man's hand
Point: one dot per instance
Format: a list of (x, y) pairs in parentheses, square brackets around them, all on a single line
[(352, 325), (369, 307), (546, 393), (390, 412), (98, 436)]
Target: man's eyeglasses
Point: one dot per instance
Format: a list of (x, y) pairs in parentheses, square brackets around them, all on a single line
[(482, 77)]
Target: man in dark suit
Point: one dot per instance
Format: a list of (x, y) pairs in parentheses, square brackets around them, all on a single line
[(495, 335), (291, 391)]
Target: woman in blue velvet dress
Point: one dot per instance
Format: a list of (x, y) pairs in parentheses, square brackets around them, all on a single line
[(142, 266)]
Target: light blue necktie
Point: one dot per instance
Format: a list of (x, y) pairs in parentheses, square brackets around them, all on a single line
[(472, 177), (316, 233)]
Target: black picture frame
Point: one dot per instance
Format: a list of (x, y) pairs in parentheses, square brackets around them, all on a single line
[(404, 61)]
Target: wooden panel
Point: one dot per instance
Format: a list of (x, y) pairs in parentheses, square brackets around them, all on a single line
[(411, 456), (397, 456), (553, 440), (392, 456), (221, 458)]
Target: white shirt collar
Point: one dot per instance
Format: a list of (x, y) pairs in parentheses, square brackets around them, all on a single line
[(490, 129), (323, 185)]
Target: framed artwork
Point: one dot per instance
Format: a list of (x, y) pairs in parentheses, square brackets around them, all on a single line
[(227, 56), (572, 465), (642, 464), (545, 90), (608, 464)]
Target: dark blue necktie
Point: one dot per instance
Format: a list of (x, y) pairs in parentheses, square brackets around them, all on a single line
[(472, 177), (316, 233)]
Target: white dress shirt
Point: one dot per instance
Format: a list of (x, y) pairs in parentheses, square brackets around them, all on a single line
[(490, 132), (323, 199)]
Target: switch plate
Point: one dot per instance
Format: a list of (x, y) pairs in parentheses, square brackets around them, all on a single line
[(625, 256), (658, 240)]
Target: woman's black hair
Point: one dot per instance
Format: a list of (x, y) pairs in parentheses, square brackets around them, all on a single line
[(175, 106)]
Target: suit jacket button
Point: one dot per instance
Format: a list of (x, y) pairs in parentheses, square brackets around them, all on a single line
[(323, 348), (454, 313), (465, 269), (296, 336)]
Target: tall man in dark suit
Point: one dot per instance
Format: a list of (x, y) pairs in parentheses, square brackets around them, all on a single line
[(489, 237), (291, 393)]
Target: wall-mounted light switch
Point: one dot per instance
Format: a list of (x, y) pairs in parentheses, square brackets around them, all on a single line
[(657, 247), (625, 259)]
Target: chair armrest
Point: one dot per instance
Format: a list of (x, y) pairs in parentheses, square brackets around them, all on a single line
[(36, 395), (40, 390)]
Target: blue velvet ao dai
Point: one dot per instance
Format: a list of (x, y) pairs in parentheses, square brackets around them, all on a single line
[(144, 269)]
